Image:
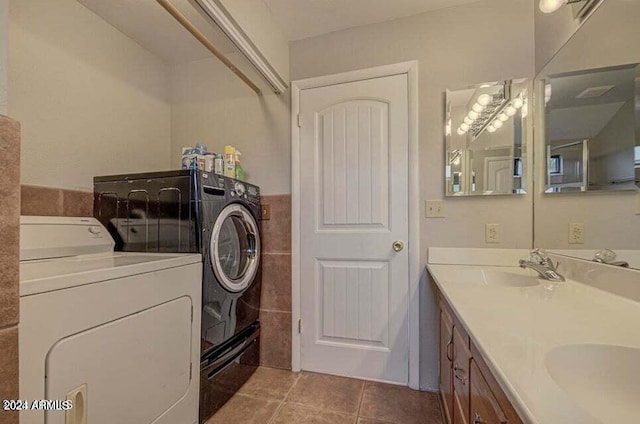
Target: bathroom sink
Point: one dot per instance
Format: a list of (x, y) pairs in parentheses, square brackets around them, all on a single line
[(604, 380), (489, 277)]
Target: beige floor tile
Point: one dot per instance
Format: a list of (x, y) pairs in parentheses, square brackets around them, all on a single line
[(327, 392), (243, 409), (270, 383), (399, 405), (297, 414)]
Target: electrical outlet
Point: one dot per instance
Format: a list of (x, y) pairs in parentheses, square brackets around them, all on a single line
[(434, 208), (491, 234), (576, 233)]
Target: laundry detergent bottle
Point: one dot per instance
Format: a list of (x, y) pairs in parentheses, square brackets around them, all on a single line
[(229, 161)]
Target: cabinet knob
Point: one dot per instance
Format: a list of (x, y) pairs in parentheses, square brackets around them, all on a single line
[(455, 374), (477, 419), (449, 344)]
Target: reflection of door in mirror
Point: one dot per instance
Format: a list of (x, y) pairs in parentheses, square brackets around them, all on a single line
[(598, 105), (498, 174)]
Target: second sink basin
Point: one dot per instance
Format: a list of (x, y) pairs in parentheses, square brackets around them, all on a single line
[(489, 277), (604, 380)]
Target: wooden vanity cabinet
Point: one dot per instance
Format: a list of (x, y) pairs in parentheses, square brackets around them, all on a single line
[(468, 391)]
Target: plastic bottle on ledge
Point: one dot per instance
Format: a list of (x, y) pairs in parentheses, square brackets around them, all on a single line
[(229, 161), (239, 170)]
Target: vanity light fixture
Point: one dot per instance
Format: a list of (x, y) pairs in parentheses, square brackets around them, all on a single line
[(491, 111), (550, 6)]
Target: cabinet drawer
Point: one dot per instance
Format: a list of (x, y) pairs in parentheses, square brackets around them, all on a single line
[(484, 408)]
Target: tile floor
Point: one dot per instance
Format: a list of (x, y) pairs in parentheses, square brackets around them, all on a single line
[(273, 396)]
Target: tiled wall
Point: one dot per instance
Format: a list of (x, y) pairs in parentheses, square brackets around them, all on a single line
[(275, 306), (9, 262), (45, 201)]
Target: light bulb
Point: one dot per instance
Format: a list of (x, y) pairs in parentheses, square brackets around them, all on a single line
[(477, 107), (491, 128), (497, 124), (510, 110), (484, 99), (464, 127), (517, 102), (473, 114), (468, 120), (550, 6), (460, 131), (503, 117)]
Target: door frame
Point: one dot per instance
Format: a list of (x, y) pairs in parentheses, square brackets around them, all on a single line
[(411, 70)]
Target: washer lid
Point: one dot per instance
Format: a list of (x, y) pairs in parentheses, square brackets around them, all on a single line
[(44, 237)]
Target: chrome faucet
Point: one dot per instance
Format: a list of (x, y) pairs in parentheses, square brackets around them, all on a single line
[(608, 256), (542, 264)]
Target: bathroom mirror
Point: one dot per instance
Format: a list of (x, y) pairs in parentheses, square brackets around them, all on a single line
[(485, 139), (590, 129), (603, 52)]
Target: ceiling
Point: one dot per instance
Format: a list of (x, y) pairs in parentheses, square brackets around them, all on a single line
[(146, 22), (142, 20), (307, 18)]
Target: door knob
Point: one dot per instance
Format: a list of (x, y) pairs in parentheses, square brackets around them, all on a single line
[(398, 245)]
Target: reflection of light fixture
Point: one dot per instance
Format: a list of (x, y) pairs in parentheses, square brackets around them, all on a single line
[(454, 157), (518, 102), (503, 117), (460, 131), (550, 6), (473, 114), (510, 110), (547, 93), (468, 120), (497, 124), (484, 99), (491, 128), (477, 107), (464, 127)]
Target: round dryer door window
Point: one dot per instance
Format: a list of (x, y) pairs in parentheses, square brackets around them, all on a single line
[(235, 248)]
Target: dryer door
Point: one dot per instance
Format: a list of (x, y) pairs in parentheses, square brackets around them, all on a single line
[(235, 248)]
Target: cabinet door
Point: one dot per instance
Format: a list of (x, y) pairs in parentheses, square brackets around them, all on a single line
[(461, 360), (484, 406), (446, 364)]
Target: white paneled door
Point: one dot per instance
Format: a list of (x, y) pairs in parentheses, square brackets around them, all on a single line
[(354, 261)]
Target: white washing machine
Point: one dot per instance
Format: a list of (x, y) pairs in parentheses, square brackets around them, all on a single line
[(117, 334)]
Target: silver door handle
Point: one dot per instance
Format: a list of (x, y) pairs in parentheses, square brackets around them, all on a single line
[(398, 245)]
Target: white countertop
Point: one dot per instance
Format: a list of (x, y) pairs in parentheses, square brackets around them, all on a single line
[(515, 327)]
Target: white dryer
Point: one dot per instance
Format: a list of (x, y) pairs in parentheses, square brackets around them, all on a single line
[(117, 334)]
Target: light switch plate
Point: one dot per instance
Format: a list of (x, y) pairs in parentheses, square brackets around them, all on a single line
[(434, 208), (491, 234), (576, 233)]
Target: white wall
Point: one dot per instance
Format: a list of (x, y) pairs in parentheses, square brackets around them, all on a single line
[(212, 106), (455, 47), (4, 33), (256, 20), (90, 100)]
